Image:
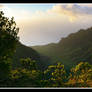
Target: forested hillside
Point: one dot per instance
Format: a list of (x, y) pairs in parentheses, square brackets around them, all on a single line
[(23, 51), (70, 50)]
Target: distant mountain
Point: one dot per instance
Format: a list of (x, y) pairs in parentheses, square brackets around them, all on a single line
[(70, 50)]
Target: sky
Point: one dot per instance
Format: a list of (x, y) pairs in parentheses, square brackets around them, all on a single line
[(42, 24)]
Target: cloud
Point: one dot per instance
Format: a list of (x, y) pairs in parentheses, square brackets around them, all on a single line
[(73, 11), (50, 26), (42, 27)]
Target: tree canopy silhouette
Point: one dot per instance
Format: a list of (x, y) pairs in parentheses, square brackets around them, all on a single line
[(8, 36), (8, 42)]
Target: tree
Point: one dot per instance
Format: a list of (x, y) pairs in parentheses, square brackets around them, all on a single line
[(28, 64), (81, 73), (8, 36), (27, 74), (8, 42), (56, 75)]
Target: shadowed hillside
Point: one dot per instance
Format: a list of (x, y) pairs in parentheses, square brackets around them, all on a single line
[(23, 51), (70, 50)]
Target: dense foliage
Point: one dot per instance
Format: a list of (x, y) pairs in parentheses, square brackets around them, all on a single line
[(53, 76), (8, 40)]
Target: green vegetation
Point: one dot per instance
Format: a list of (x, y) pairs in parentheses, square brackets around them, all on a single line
[(24, 52), (22, 66), (8, 40), (55, 75)]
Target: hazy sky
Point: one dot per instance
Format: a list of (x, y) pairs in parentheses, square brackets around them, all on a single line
[(46, 23)]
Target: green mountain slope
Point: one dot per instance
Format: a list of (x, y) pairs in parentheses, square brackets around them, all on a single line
[(23, 51), (70, 50)]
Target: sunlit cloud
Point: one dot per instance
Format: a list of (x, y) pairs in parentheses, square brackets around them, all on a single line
[(73, 11)]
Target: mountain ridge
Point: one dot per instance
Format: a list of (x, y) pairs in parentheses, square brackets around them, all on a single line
[(70, 50)]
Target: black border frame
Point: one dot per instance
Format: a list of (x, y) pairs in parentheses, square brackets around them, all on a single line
[(45, 1)]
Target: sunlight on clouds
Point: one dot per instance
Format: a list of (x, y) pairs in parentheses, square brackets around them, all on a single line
[(72, 19), (17, 14), (41, 27), (25, 15), (59, 10), (70, 11), (73, 11)]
